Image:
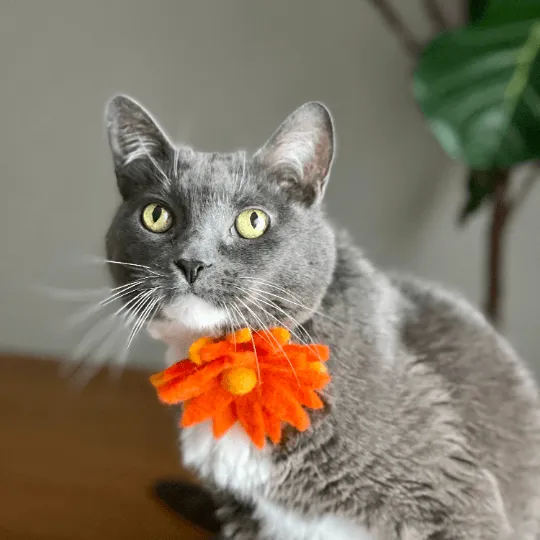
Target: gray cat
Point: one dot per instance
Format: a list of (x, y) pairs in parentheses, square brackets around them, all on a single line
[(431, 425)]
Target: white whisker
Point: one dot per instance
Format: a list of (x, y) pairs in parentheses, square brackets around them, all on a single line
[(295, 303), (133, 265), (298, 325), (132, 312), (272, 285), (85, 374), (223, 306), (107, 349), (242, 317), (142, 318), (94, 308), (118, 365), (120, 294), (82, 294), (260, 298), (75, 295), (101, 330), (98, 330), (84, 314), (267, 330)]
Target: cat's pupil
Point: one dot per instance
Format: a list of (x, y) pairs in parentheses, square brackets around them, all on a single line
[(156, 213), (254, 219)]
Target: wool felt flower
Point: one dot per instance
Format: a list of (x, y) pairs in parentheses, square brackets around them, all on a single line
[(259, 379)]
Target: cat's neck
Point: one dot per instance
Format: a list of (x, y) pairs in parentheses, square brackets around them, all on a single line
[(183, 323), (178, 338), (361, 307)]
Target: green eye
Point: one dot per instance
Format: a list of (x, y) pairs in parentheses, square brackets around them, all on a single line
[(156, 218), (252, 223)]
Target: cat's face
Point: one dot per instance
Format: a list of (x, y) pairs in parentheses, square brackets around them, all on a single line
[(219, 240)]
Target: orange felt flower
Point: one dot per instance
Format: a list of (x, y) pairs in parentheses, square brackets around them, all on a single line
[(258, 379)]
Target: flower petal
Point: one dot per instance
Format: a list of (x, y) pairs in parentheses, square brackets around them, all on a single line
[(304, 395), (213, 351), (176, 390), (307, 397), (181, 369), (223, 420), (272, 425), (171, 394), (196, 348), (318, 353), (241, 358), (250, 416), (281, 335), (201, 408), (280, 401), (240, 336), (271, 341), (300, 377), (313, 352), (297, 360)]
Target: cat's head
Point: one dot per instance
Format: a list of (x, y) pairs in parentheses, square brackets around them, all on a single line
[(208, 241)]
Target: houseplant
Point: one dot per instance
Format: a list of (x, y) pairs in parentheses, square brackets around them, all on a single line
[(478, 86)]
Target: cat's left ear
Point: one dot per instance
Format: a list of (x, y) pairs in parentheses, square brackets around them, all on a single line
[(133, 133), (300, 153)]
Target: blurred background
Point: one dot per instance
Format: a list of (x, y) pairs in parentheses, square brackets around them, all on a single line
[(222, 75)]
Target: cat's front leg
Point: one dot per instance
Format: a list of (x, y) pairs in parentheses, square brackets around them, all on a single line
[(237, 519)]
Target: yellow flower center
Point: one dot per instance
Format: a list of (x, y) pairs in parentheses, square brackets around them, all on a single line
[(239, 381)]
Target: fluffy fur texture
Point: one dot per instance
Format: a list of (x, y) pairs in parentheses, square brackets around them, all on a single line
[(431, 428)]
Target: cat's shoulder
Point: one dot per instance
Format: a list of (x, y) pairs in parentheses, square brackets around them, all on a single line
[(428, 298)]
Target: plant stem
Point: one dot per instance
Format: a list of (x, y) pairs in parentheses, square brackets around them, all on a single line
[(499, 219), (436, 15), (398, 27)]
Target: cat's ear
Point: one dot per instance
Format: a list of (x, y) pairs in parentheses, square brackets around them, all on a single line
[(299, 155), (133, 133)]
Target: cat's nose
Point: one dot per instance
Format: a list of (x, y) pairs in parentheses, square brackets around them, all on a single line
[(191, 269)]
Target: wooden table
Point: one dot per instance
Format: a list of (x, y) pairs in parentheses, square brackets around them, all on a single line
[(80, 465)]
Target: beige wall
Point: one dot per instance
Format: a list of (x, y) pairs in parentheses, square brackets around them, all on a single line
[(456, 256), (220, 75)]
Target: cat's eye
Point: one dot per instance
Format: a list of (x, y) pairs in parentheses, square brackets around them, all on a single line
[(252, 223), (156, 218)]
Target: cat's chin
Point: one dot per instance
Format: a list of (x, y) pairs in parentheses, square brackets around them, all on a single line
[(188, 314)]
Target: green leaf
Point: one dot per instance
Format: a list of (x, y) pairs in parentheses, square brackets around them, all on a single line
[(480, 186), (490, 12), (477, 10), (479, 88)]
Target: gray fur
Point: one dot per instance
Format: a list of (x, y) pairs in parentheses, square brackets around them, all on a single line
[(432, 425)]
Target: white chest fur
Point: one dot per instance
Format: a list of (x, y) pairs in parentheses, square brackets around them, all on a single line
[(232, 462)]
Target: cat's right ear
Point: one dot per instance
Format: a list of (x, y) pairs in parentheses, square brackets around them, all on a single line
[(133, 133), (298, 157)]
